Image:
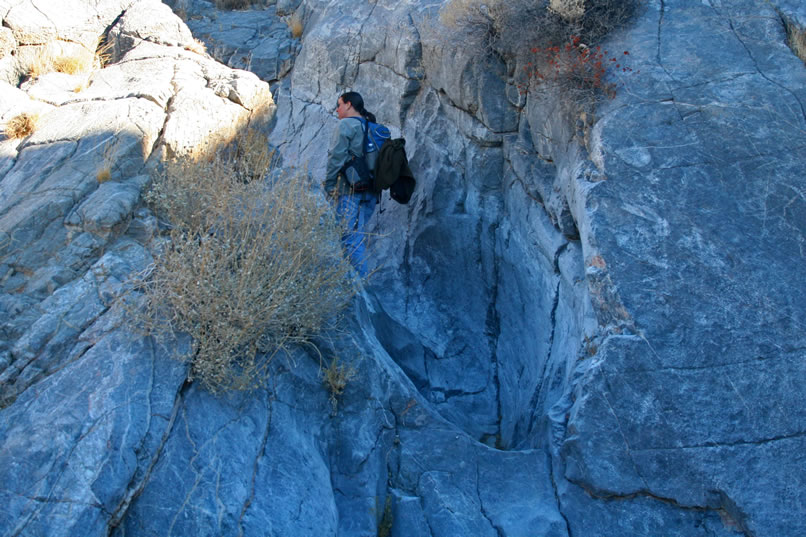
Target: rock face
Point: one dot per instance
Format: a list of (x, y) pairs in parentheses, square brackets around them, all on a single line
[(581, 325)]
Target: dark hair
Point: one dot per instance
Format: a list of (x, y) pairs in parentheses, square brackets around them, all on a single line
[(357, 102)]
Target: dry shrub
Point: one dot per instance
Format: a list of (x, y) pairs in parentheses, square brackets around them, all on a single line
[(233, 4), (251, 152), (575, 70), (554, 42), (336, 377), (510, 28), (21, 125), (497, 27), (568, 9), (250, 268)]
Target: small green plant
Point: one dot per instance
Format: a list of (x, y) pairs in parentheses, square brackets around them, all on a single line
[(250, 267), (21, 125), (336, 377)]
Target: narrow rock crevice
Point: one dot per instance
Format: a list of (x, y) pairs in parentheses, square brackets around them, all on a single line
[(498, 530), (726, 510), (556, 492), (140, 478), (749, 52), (261, 452), (735, 443), (492, 330), (659, 54)]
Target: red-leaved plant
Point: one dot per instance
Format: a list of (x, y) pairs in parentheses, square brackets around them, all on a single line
[(574, 67)]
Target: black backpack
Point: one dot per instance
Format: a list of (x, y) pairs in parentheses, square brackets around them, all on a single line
[(391, 165), (392, 171)]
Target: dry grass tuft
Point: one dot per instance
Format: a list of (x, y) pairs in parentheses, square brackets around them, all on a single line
[(251, 152), (40, 65), (52, 59), (796, 39), (21, 125), (295, 25), (197, 47), (252, 266), (72, 65), (103, 52), (105, 172), (336, 377)]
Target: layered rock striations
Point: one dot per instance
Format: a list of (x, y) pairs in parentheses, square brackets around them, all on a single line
[(583, 324)]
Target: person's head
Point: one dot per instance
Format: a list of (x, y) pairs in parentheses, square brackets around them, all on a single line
[(351, 104)]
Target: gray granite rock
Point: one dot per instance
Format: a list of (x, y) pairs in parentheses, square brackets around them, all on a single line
[(256, 40), (696, 400), (74, 447)]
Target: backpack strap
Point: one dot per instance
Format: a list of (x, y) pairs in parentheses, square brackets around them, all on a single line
[(365, 130)]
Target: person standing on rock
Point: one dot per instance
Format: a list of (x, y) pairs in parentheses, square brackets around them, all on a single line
[(354, 200)]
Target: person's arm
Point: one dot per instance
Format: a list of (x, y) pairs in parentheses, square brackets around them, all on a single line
[(338, 155)]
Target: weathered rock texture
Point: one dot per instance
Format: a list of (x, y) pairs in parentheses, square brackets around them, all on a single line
[(580, 326)]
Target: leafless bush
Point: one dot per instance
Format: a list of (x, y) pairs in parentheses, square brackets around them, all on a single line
[(233, 4), (553, 44), (568, 9), (250, 266), (510, 28)]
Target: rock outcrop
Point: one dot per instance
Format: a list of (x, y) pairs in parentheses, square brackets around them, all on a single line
[(582, 325)]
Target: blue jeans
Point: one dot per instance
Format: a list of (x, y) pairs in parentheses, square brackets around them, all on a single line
[(355, 211)]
